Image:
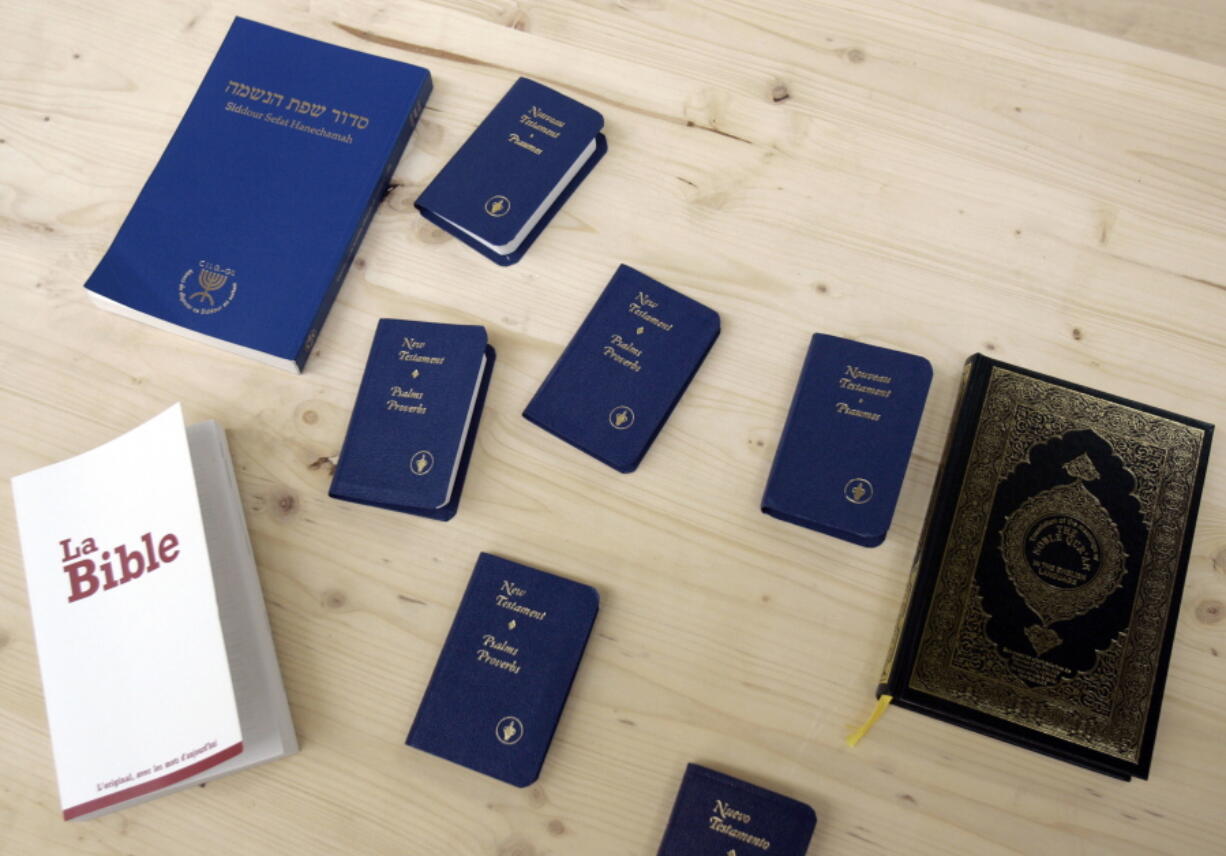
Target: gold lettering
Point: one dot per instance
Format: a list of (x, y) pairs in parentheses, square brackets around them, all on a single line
[(517, 140), (718, 825), (611, 352), (407, 357), (846, 410), (526, 120), (406, 408), (506, 603), (538, 113), (844, 383), (489, 641), (489, 659), (638, 310), (726, 811), (625, 346), (859, 374)]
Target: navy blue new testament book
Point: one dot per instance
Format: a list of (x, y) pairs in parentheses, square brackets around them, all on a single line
[(625, 369), (716, 814), (246, 227), (415, 419), (517, 169), (505, 670), (848, 437)]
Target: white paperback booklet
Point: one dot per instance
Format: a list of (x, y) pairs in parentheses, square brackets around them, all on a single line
[(156, 656)]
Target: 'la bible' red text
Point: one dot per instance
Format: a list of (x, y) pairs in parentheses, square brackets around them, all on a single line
[(86, 576)]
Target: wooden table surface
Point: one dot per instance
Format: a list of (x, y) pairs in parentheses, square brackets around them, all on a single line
[(941, 177)]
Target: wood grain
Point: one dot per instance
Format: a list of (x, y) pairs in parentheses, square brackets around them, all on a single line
[(941, 177), (1195, 28)]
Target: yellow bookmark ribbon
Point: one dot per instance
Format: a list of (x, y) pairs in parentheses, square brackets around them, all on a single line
[(882, 704)]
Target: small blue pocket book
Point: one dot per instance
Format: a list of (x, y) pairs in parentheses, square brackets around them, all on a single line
[(246, 227), (625, 369), (504, 673), (517, 169), (716, 814), (847, 440), (415, 419)]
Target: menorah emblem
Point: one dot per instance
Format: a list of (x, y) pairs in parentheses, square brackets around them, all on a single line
[(210, 281)]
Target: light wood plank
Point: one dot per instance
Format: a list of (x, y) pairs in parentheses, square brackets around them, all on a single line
[(940, 177), (1195, 28)]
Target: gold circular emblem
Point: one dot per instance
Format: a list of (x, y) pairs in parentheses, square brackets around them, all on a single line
[(509, 730), (1063, 552), (497, 206), (621, 417), (858, 491), (421, 463), (207, 290)]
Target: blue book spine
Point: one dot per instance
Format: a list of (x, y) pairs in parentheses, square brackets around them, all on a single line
[(372, 205)]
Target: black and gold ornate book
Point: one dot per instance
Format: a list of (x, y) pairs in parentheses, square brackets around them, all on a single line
[(1043, 601)]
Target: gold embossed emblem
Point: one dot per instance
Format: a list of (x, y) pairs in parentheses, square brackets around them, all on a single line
[(207, 289), (509, 730), (210, 281), (621, 417), (497, 206), (858, 491), (421, 462), (1063, 553)]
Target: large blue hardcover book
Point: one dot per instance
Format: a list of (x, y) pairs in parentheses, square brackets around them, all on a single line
[(618, 380), (504, 673), (848, 437), (245, 229), (515, 171), (415, 420)]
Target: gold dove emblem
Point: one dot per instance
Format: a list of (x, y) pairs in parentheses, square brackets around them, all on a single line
[(421, 463), (509, 730), (497, 206), (858, 491), (621, 417)]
